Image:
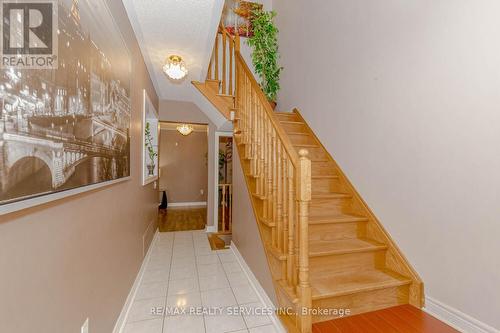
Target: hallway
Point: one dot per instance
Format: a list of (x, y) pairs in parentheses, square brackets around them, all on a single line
[(182, 272), (182, 219)]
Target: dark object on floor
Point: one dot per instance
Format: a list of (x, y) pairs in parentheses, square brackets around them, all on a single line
[(164, 202)]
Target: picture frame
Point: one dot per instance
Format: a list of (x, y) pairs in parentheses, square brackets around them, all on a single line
[(60, 138), (150, 141)]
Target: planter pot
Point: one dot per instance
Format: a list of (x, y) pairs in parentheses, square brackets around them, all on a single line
[(273, 104), (151, 170)]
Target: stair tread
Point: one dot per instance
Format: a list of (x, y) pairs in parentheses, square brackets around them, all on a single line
[(225, 95), (343, 218), (324, 176), (267, 221), (292, 122), (330, 195), (275, 252), (313, 145), (285, 114), (345, 283), (343, 246), (300, 133)]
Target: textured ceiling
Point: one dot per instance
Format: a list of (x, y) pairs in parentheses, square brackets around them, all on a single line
[(183, 27)]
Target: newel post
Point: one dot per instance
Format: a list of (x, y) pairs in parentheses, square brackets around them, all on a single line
[(303, 199)]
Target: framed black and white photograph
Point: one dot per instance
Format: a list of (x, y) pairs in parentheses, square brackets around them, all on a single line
[(68, 127), (150, 130)]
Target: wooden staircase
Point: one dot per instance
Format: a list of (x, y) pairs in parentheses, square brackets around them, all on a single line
[(328, 253)]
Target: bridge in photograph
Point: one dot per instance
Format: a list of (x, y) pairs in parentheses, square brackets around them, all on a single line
[(26, 151)]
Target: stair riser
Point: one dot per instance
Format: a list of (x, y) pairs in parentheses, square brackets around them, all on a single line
[(285, 301), (326, 185), (322, 169), (318, 207), (352, 262), (214, 86), (277, 267), (363, 302), (252, 181), (335, 231), (295, 128), (287, 116), (302, 139), (266, 233)]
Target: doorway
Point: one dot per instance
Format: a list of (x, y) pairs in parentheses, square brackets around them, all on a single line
[(224, 187), (183, 176)]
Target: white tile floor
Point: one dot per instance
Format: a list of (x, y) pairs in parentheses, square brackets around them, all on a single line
[(184, 273)]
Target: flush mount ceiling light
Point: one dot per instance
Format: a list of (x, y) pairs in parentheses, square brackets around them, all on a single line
[(185, 129), (175, 67)]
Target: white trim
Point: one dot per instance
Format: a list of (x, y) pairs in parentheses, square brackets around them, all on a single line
[(187, 204), (217, 135), (36, 201), (146, 102), (211, 228), (261, 293), (455, 318), (120, 322)]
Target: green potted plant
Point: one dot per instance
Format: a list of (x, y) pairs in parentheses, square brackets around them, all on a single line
[(265, 55), (151, 152)]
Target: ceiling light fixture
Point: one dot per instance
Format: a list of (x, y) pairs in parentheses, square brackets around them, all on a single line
[(185, 129), (175, 67)]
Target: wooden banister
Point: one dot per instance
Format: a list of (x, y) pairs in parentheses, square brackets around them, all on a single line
[(282, 176), (283, 184)]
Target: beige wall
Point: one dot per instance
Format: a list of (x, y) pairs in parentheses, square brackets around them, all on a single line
[(78, 257), (406, 96), (184, 166), (178, 111), (246, 235)]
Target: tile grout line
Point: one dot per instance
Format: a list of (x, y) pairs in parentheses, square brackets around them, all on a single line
[(168, 282), (198, 279), (232, 291)]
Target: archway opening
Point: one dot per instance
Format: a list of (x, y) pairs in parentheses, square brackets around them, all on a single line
[(28, 176)]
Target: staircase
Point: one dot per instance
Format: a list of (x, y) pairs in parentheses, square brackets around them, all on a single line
[(327, 252)]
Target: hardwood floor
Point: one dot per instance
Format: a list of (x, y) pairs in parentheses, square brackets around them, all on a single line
[(181, 219), (399, 319)]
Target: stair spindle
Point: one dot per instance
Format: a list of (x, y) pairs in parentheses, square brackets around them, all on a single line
[(224, 47), (230, 66), (216, 55)]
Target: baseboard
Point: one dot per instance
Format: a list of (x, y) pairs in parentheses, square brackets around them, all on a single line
[(261, 293), (455, 318), (187, 204), (211, 228), (120, 322)]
